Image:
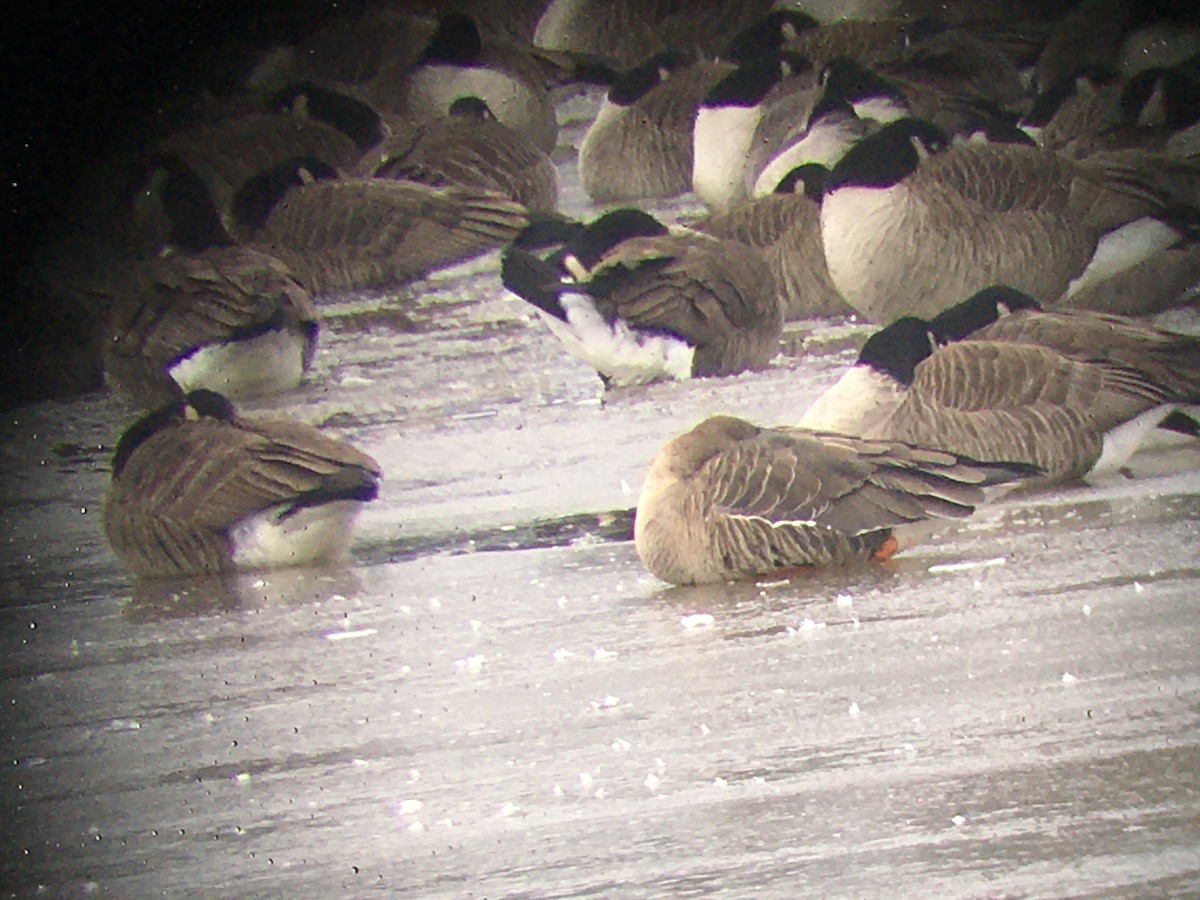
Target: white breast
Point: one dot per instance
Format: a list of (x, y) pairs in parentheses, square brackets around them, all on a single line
[(267, 364)]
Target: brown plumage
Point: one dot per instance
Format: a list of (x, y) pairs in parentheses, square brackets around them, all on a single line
[(786, 229), (990, 400), (170, 309), (909, 232), (197, 173), (374, 233), (196, 488), (640, 144), (467, 148), (641, 303), (730, 500)]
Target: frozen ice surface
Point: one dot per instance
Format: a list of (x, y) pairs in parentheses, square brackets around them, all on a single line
[(495, 698)]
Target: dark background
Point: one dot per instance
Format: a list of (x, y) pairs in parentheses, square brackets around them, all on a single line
[(84, 81)]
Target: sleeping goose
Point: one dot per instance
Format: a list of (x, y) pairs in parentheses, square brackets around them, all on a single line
[(629, 31), (458, 62), (344, 234), (785, 226), (196, 488), (1000, 313), (640, 143), (730, 500), (641, 303), (196, 173), (993, 401), (467, 147), (911, 225), (744, 119), (230, 319)]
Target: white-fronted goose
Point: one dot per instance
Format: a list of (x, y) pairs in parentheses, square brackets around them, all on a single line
[(729, 500), (196, 489), (641, 303), (230, 319)]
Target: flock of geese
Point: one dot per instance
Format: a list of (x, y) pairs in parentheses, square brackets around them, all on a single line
[(1007, 192)]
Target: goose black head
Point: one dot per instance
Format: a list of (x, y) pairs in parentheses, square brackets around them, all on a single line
[(470, 109), (606, 232), (848, 80), (978, 311), (752, 80), (808, 179), (354, 118), (770, 33), (888, 156), (194, 405), (1050, 99), (1161, 97), (635, 83), (457, 41), (258, 195), (194, 221), (898, 349)]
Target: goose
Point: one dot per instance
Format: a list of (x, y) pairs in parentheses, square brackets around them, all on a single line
[(196, 173), (785, 226), (457, 62), (630, 31), (641, 303), (832, 129), (1168, 359), (911, 225), (993, 401), (730, 500), (744, 119), (640, 143), (230, 319), (346, 234), (468, 147), (197, 488)]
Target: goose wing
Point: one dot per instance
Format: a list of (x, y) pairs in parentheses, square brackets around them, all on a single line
[(693, 287), (1166, 358), (179, 303), (370, 232), (1018, 403)]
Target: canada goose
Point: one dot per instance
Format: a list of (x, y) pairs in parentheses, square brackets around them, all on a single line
[(457, 62), (730, 500), (197, 172), (911, 225), (229, 319), (640, 143), (1168, 359), (343, 234), (785, 227), (730, 141), (831, 130), (915, 87), (993, 401), (196, 488), (629, 31), (1155, 110), (641, 303), (355, 118), (470, 148)]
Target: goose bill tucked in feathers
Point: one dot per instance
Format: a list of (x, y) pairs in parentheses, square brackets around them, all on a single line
[(993, 401), (641, 303), (730, 500), (196, 488)]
